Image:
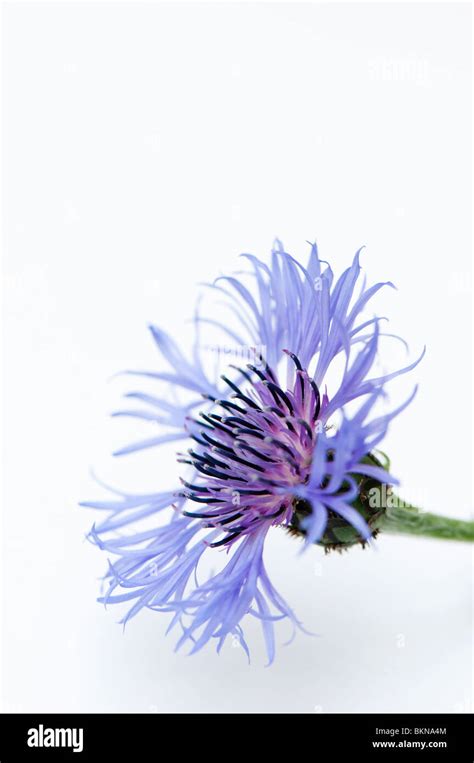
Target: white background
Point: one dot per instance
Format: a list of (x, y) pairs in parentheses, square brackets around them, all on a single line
[(145, 146)]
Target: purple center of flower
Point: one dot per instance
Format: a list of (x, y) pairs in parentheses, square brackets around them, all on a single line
[(250, 453)]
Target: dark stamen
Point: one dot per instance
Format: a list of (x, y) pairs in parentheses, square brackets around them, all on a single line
[(221, 476), (216, 424), (225, 540), (254, 452), (230, 519), (198, 488), (195, 515), (230, 406), (306, 427), (240, 394), (248, 400), (268, 370), (197, 439), (276, 411), (232, 456), (274, 388), (318, 399), (199, 423), (208, 459), (294, 359), (239, 421), (204, 469), (281, 445), (241, 371), (251, 433), (255, 370), (196, 499), (301, 379), (290, 425), (216, 443)]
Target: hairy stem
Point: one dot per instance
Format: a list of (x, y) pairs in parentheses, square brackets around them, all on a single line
[(411, 521)]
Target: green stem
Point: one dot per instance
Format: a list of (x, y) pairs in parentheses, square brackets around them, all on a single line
[(411, 521)]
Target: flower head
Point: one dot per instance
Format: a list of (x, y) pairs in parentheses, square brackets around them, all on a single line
[(264, 450), (253, 453)]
